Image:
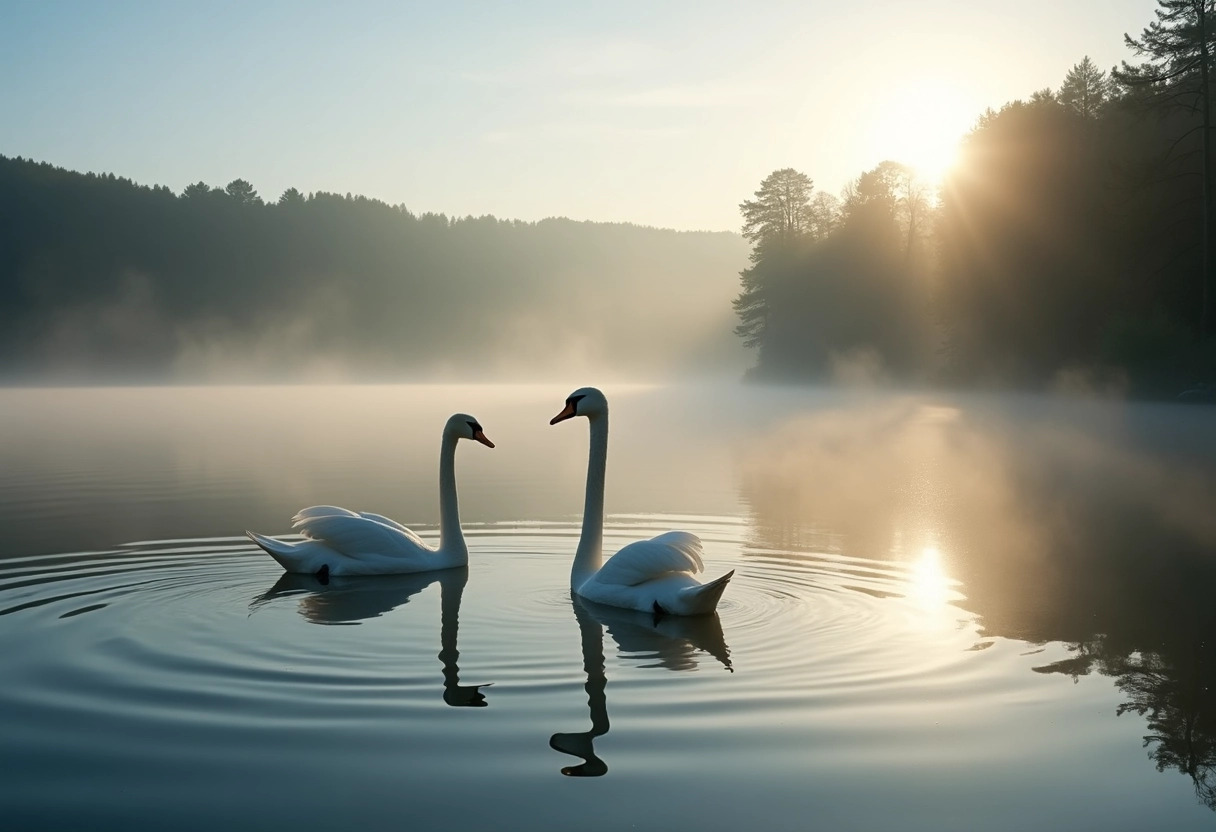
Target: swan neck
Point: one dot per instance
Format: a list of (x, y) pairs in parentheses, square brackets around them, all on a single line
[(451, 539), (590, 554)]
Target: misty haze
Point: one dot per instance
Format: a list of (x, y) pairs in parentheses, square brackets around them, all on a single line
[(342, 347)]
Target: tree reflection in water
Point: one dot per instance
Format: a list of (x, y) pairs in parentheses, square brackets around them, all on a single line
[(1087, 524), (1172, 686), (1181, 716)]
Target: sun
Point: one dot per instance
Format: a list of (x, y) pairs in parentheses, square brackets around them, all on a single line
[(920, 123)]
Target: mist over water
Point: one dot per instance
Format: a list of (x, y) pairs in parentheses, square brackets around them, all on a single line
[(213, 287), (991, 604)]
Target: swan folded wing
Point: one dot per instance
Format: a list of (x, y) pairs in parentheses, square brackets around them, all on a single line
[(320, 511), (314, 512), (355, 536), (388, 521), (646, 560)]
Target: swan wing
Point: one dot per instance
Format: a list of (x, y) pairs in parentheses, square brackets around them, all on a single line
[(313, 512), (388, 521), (646, 560), (320, 511), (355, 536)]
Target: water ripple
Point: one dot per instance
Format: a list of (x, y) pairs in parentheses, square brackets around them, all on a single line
[(204, 643)]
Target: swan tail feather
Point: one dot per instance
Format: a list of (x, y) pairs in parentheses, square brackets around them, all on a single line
[(277, 549), (703, 599)]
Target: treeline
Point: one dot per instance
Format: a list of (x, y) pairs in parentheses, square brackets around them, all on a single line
[(102, 279), (1070, 247)]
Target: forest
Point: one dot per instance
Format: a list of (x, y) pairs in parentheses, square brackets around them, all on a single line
[(1070, 247), (106, 281)]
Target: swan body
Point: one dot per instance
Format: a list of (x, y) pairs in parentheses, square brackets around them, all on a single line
[(656, 575), (342, 542)]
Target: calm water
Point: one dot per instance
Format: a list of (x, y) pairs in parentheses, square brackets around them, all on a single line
[(950, 612)]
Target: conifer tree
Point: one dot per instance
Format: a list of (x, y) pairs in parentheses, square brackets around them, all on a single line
[(1178, 48)]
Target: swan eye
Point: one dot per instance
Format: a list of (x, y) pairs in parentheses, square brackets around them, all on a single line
[(573, 401), (474, 426)]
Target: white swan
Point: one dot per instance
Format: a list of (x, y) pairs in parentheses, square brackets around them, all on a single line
[(653, 575), (342, 542)]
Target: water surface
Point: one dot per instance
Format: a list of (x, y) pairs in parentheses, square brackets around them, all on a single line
[(949, 612)]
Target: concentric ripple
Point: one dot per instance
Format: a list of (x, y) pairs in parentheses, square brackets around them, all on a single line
[(162, 621), (200, 658)]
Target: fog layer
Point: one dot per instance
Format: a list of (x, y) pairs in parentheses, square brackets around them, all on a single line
[(107, 280)]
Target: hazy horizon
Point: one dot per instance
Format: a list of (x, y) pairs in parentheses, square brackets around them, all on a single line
[(959, 193)]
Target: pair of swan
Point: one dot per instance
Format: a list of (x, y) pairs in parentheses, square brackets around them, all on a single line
[(655, 576)]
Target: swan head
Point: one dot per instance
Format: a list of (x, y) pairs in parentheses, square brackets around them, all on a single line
[(585, 401), (464, 426)]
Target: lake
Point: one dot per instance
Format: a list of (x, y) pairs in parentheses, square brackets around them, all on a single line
[(950, 612)]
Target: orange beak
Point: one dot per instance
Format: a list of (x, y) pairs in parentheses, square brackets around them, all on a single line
[(481, 437), (567, 413)]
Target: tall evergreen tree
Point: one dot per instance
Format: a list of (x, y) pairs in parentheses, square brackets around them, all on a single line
[(1177, 72), (775, 222), (291, 196), (781, 210), (196, 191), (1085, 90), (242, 192)]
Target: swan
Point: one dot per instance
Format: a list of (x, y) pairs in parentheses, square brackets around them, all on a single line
[(342, 542), (655, 575)]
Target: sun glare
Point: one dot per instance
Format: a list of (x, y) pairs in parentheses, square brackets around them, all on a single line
[(921, 124), (930, 586)]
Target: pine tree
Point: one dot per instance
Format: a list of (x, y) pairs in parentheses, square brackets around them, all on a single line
[(1085, 90), (781, 209), (196, 191), (242, 192), (1177, 73), (774, 222), (291, 196)]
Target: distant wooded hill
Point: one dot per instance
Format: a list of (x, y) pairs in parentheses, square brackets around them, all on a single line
[(102, 279)]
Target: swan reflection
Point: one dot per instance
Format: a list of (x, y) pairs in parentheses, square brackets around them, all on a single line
[(671, 642), (350, 600)]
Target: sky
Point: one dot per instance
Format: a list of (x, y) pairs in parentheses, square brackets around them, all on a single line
[(657, 113)]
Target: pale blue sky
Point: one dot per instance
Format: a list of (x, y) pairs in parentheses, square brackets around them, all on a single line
[(665, 114)]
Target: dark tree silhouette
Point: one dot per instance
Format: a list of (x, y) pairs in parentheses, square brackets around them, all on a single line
[(1070, 248), (1177, 73), (242, 192), (199, 190), (781, 210), (776, 223), (291, 197), (1085, 90), (831, 283)]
